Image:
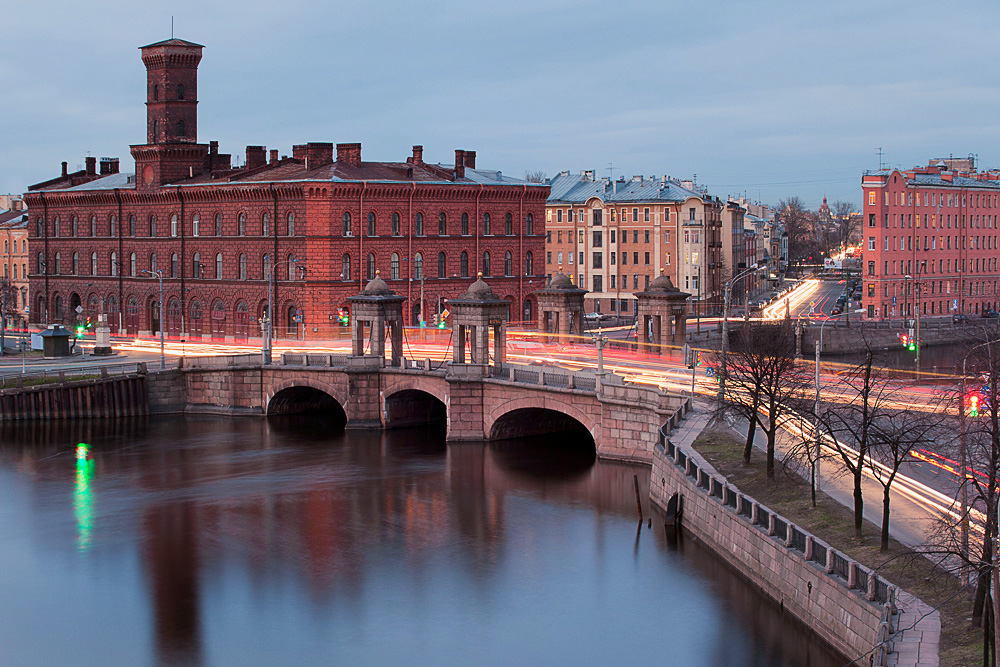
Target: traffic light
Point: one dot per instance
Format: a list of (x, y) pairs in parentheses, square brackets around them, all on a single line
[(904, 339), (699, 358), (79, 331), (343, 317), (973, 404)]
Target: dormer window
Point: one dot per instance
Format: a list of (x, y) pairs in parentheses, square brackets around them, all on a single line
[(180, 91)]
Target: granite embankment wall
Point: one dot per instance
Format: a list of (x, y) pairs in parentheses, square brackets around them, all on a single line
[(850, 607)]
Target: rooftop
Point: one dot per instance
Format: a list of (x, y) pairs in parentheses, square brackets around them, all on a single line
[(579, 188)]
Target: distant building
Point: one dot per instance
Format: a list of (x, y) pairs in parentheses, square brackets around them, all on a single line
[(615, 236), (304, 232), (14, 232), (930, 240)]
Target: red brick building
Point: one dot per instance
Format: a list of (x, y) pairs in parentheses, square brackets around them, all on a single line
[(930, 240), (326, 222)]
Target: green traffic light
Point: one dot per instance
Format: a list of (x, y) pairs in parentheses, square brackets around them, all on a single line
[(912, 347)]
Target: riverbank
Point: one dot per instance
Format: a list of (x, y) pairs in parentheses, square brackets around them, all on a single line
[(789, 496)]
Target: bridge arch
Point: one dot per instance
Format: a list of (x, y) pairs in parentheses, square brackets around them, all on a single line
[(298, 397), (538, 416), (413, 407)]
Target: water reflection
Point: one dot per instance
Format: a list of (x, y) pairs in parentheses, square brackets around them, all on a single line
[(218, 541)]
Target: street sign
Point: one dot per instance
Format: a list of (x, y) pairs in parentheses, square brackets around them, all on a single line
[(709, 372), (78, 309), (686, 352), (894, 301)]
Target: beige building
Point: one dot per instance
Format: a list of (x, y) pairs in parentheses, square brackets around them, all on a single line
[(14, 236), (615, 236)]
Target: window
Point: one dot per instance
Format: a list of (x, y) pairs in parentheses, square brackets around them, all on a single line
[(55, 227), (508, 264), (635, 258), (74, 226), (131, 265), (647, 259), (218, 266), (180, 91), (486, 224), (486, 263), (370, 269), (871, 268), (173, 225), (624, 259), (559, 258), (173, 265), (614, 258), (93, 266), (635, 236), (559, 215), (152, 263), (76, 264), (442, 265), (548, 256), (291, 265), (645, 214), (530, 224), (598, 283), (418, 224), (463, 265), (156, 93), (394, 266), (646, 238), (196, 266), (598, 238), (635, 214), (598, 260), (195, 225), (156, 130), (371, 224), (395, 224), (112, 264), (345, 267), (113, 226), (871, 198), (465, 224), (442, 224), (598, 215), (265, 224), (871, 242), (613, 236), (241, 224), (40, 228), (180, 128), (613, 281), (218, 224), (529, 264), (347, 224), (418, 266), (290, 222), (243, 266), (508, 224), (152, 225)]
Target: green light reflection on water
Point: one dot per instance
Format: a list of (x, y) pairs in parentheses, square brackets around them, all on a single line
[(83, 496)]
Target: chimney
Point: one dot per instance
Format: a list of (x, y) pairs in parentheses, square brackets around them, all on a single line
[(91, 166), (418, 155), (459, 163), (65, 169), (349, 154), (108, 166), (274, 156), (320, 154), (470, 159), (256, 157)]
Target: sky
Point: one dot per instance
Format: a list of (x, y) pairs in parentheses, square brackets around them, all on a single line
[(760, 99)]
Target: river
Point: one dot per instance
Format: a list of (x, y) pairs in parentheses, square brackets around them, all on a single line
[(220, 541)]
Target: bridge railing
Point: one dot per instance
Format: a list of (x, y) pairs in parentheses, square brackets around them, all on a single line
[(41, 377), (554, 377)]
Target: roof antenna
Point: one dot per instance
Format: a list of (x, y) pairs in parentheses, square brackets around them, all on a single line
[(879, 158), (171, 27)]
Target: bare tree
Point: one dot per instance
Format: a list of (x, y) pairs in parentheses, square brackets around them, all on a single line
[(534, 176), (846, 224), (763, 381), (798, 225)]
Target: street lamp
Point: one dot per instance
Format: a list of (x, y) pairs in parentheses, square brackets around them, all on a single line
[(268, 319), (159, 274), (819, 346), (963, 463), (725, 328)]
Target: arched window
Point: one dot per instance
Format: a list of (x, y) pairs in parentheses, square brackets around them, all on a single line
[(55, 227), (131, 225), (394, 266), (180, 91), (42, 268), (442, 265), (195, 225), (530, 225), (290, 219), (529, 264), (131, 265), (370, 269), (74, 226), (442, 224), (508, 224), (266, 267), (371, 224), (112, 264), (418, 266), (113, 226), (243, 266), (173, 225), (508, 264), (93, 264), (347, 223), (345, 267), (196, 266), (486, 263), (265, 224), (59, 310), (173, 265), (292, 264), (152, 225), (152, 263), (418, 224), (395, 224), (156, 93), (58, 267), (180, 128), (93, 225), (463, 265), (486, 224), (465, 224), (6, 246), (76, 263), (40, 231), (156, 131), (241, 225), (218, 266), (218, 224)]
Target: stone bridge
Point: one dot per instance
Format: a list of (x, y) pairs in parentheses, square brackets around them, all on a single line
[(475, 402)]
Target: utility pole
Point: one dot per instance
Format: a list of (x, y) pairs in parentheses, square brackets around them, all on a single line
[(918, 286), (159, 274)]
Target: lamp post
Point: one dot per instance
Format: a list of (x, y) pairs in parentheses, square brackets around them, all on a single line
[(266, 322), (906, 300), (725, 329), (963, 491), (600, 340), (159, 274), (819, 442)]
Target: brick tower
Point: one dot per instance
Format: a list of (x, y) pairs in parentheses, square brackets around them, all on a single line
[(171, 151)]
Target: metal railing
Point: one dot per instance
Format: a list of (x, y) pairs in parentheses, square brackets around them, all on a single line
[(43, 377)]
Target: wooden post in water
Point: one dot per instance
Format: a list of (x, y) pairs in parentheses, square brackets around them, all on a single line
[(638, 502)]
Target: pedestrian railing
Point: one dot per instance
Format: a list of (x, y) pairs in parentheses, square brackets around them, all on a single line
[(33, 378)]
